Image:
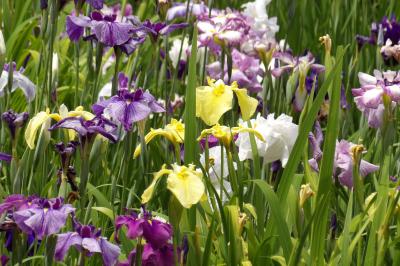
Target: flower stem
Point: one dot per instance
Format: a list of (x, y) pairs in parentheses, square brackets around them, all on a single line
[(115, 78)]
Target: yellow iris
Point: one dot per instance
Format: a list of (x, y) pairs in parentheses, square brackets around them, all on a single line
[(225, 134), (41, 120), (214, 100), (184, 182), (174, 132)]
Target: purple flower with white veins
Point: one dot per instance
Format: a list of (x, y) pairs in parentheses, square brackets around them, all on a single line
[(106, 30), (373, 87), (129, 107), (163, 256), (44, 217), (222, 29), (344, 160), (245, 70), (18, 81), (88, 129), (87, 238), (178, 10), (157, 29)]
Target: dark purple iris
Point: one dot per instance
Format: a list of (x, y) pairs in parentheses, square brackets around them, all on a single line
[(386, 29), (157, 233), (86, 238), (43, 217), (66, 151), (14, 120), (157, 29), (129, 107), (163, 256), (88, 129)]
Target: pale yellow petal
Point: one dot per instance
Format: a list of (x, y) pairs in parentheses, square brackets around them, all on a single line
[(63, 111), (212, 104), (256, 133), (33, 126), (247, 104), (188, 189)]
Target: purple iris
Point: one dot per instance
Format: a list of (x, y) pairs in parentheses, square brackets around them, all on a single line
[(162, 256), (88, 129), (43, 217), (344, 162), (66, 151), (86, 238), (129, 107), (245, 70), (386, 29), (14, 120), (157, 233), (16, 202), (19, 81), (157, 29), (299, 66), (178, 10), (105, 29)]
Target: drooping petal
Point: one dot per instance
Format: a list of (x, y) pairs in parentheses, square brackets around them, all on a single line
[(148, 193), (75, 26), (91, 244), (109, 251), (33, 126), (64, 242), (172, 27), (74, 123), (111, 33), (247, 104), (367, 168), (210, 106)]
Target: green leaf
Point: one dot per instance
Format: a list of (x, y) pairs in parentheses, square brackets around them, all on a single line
[(190, 106), (106, 211), (325, 178), (277, 217)]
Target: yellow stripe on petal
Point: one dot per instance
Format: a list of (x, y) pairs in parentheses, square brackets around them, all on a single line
[(248, 105), (256, 133)]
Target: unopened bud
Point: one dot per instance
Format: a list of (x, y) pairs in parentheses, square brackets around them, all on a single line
[(305, 193), (327, 42)]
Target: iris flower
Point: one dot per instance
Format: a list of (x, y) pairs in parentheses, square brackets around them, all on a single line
[(42, 119), (156, 232), (344, 159), (214, 100), (14, 120), (280, 135), (225, 134), (88, 129), (129, 107), (222, 29), (18, 81), (157, 29), (174, 132), (87, 238), (151, 256), (245, 70), (43, 217), (369, 97), (184, 182), (105, 29)]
